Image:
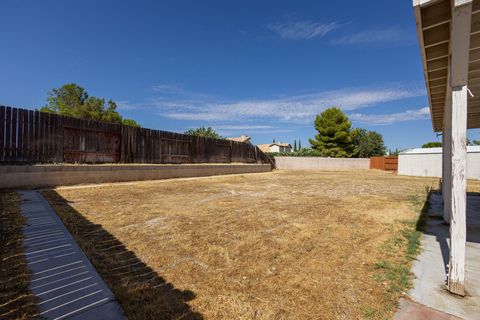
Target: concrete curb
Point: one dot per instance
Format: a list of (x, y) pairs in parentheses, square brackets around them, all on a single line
[(63, 175)]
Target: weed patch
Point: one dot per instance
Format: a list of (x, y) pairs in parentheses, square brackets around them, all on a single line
[(400, 249), (16, 301)]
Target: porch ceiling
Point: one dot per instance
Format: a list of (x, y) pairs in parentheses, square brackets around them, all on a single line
[(434, 28)]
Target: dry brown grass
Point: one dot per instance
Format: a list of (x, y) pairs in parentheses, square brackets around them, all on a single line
[(280, 245), (16, 301)]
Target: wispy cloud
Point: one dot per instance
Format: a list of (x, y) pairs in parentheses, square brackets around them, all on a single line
[(385, 119), (241, 127), (295, 108), (389, 35), (232, 133), (168, 88), (302, 30), (127, 105), (230, 130), (237, 129)]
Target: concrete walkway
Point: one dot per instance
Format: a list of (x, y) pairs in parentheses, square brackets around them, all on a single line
[(65, 282), (409, 310), (430, 269)]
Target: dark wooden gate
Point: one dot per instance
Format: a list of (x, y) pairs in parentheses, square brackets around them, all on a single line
[(90, 141), (388, 163), (224, 151), (175, 151)]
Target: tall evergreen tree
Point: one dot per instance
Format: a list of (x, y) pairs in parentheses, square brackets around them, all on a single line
[(299, 144), (334, 137), (394, 153), (294, 145)]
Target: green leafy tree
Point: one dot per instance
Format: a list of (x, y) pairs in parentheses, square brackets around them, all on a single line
[(434, 144), (294, 145), (439, 144), (473, 142), (111, 114), (367, 143), (307, 153), (299, 145), (67, 100), (204, 132), (130, 122), (74, 101), (300, 153), (334, 137)]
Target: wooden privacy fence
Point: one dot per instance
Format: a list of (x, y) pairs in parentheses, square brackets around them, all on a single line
[(389, 163), (28, 136)]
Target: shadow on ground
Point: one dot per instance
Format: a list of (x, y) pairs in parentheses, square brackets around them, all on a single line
[(433, 224), (142, 293)]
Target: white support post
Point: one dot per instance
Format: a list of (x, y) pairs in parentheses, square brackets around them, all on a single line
[(447, 158), (444, 169), (458, 201), (459, 51)]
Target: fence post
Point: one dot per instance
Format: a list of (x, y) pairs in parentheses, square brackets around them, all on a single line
[(2, 135), (14, 134), (8, 124), (122, 144)]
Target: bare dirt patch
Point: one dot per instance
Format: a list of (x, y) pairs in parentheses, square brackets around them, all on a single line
[(280, 245)]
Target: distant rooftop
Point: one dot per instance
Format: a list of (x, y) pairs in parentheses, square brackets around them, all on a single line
[(242, 138), (266, 146), (436, 150)]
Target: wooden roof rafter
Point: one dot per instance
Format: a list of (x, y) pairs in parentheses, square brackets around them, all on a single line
[(434, 20)]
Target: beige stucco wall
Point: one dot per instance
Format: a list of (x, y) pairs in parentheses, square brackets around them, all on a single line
[(321, 163), (59, 175), (274, 148)]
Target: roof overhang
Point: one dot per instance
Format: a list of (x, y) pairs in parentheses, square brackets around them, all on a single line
[(434, 27)]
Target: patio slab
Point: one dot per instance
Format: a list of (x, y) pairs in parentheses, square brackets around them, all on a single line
[(63, 279), (410, 310), (431, 266)]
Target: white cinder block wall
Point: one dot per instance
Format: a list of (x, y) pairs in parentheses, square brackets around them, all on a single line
[(428, 162)]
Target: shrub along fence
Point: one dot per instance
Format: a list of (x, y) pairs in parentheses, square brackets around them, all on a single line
[(28, 136)]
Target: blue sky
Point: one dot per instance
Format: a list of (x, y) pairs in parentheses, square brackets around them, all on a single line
[(262, 68)]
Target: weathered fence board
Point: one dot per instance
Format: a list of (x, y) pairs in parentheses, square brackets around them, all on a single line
[(90, 141), (36, 137), (30, 141), (2, 133), (13, 146), (28, 136), (8, 123)]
